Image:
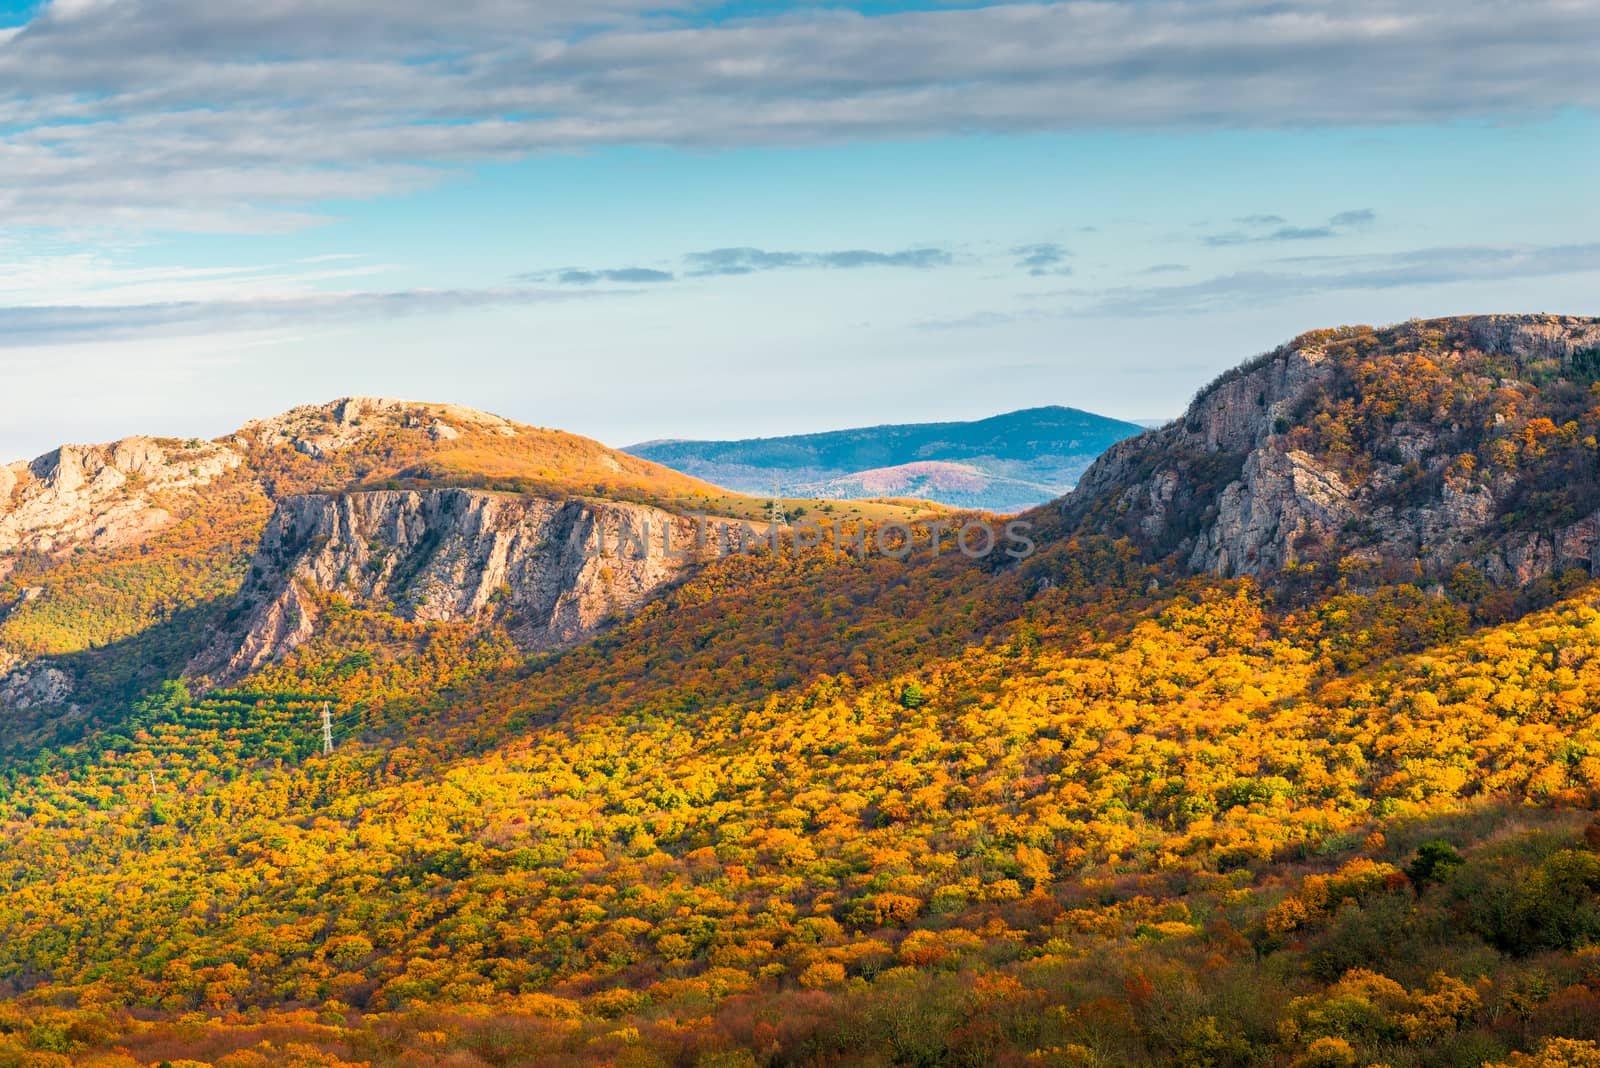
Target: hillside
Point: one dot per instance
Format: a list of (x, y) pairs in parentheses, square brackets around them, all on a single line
[(1003, 464), (960, 485), (124, 564), (1130, 801)]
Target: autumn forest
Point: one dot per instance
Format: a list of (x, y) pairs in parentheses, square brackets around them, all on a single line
[(1282, 750)]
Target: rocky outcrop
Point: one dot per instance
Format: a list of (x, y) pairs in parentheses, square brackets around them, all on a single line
[(1282, 500), (1547, 336), (550, 570), (101, 496), (87, 496), (320, 430), (32, 692), (1225, 490), (1214, 489), (37, 686)]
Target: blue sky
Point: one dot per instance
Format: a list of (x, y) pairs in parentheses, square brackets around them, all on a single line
[(639, 220)]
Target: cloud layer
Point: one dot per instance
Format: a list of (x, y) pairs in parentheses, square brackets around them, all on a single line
[(1276, 281), (1286, 279), (1254, 229), (277, 300), (38, 325), (204, 115), (631, 276), (735, 261), (730, 262), (1042, 259)]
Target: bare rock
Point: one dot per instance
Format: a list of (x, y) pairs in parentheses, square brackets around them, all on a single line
[(319, 430), (1282, 501), (33, 687), (552, 570), (1549, 336)]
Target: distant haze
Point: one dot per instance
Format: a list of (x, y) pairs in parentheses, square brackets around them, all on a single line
[(1004, 463)]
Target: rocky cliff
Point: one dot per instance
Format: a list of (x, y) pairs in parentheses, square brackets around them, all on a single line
[(1411, 450), (551, 570)]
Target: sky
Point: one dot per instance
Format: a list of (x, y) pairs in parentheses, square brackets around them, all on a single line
[(638, 219)]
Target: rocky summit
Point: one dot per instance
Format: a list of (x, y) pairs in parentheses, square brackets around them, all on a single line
[(1421, 448), (103, 496)]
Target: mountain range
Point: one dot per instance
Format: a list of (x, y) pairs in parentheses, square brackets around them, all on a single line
[(1002, 464), (330, 743)]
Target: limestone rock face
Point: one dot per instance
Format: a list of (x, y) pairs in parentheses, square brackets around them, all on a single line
[(1280, 500), (87, 496), (1214, 487), (1224, 491), (102, 496), (1535, 335), (551, 570)]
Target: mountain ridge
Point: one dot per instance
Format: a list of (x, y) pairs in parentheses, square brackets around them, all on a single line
[(101, 546)]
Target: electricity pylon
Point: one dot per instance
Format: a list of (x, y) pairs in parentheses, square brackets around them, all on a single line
[(778, 518)]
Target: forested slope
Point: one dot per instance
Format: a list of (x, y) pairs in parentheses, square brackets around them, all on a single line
[(1094, 808)]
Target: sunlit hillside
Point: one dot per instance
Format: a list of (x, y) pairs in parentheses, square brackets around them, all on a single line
[(1107, 805), (152, 556)]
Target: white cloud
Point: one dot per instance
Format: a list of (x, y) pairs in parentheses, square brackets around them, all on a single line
[(226, 116)]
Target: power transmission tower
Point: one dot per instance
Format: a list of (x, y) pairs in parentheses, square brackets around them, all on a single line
[(327, 729), (778, 518)]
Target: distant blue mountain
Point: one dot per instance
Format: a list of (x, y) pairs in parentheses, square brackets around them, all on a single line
[(1004, 463)]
